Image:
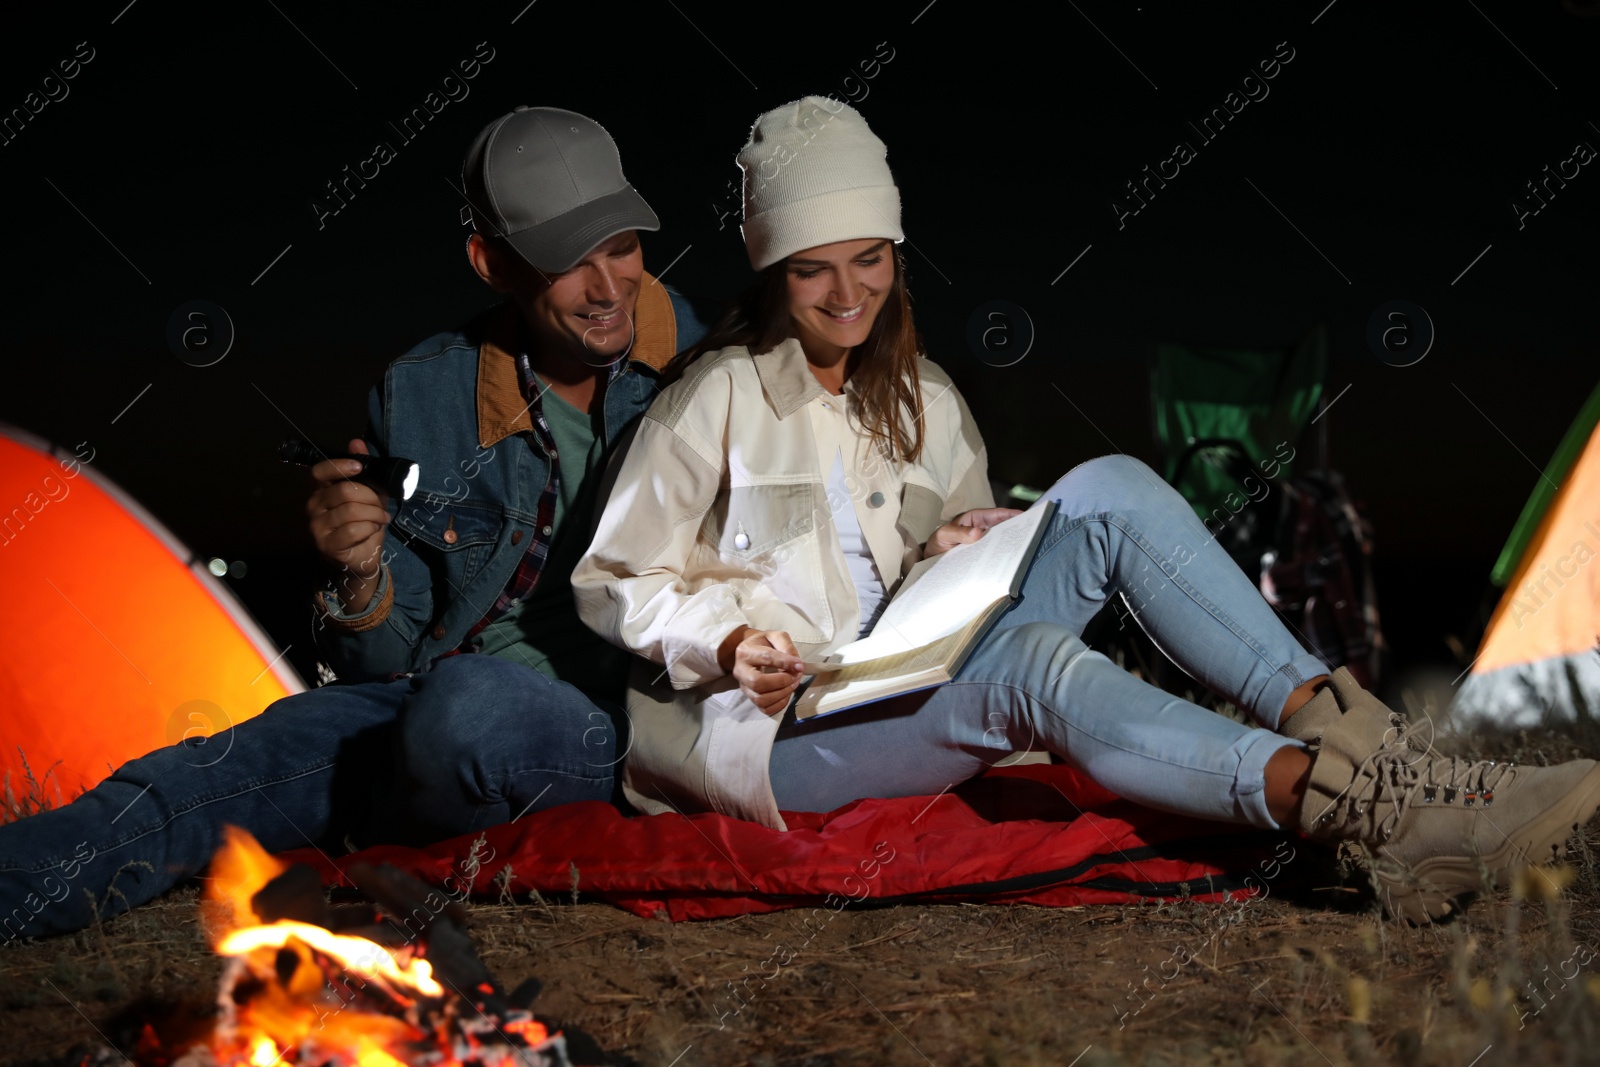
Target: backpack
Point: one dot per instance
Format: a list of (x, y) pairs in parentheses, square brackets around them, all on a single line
[(1316, 571)]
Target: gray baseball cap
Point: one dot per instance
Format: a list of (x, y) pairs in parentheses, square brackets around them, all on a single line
[(550, 182)]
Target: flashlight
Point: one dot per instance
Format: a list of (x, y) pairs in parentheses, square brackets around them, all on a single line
[(387, 474)]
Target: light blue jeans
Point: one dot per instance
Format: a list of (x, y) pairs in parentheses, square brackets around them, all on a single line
[(1033, 684)]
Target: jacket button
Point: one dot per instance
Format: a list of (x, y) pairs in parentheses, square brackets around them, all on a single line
[(450, 537), (438, 633), (547, 529), (875, 500), (516, 537)]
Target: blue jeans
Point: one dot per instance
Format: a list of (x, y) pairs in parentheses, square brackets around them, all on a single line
[(477, 740), (1032, 683)]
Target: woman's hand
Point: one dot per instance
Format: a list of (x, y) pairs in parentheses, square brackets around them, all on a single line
[(765, 664), (965, 529)]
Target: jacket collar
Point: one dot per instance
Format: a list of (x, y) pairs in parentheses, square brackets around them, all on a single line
[(502, 409), (786, 378)]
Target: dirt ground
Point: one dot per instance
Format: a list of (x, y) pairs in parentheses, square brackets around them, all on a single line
[(1318, 979)]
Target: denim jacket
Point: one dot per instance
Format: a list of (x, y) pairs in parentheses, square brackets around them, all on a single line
[(453, 404)]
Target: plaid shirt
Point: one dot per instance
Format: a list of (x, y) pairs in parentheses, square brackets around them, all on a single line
[(526, 576)]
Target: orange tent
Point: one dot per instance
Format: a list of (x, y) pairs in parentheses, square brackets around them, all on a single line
[(1540, 658), (116, 640)]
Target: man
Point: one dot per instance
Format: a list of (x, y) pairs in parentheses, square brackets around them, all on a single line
[(476, 694)]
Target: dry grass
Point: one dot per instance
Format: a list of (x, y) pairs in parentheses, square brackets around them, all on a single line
[(38, 793), (1265, 982), (951, 984)]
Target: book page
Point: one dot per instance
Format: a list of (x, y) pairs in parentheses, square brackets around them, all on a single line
[(901, 672), (941, 595), (862, 682), (896, 663)]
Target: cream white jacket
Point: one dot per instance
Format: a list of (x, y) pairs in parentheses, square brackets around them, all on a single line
[(719, 517)]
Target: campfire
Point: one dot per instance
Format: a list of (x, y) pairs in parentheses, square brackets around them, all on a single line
[(392, 982)]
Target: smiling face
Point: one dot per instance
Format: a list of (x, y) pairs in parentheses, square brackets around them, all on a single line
[(586, 312), (835, 294)]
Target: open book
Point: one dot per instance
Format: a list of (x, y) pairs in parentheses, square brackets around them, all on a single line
[(942, 609)]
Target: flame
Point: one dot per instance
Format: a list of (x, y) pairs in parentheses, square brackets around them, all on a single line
[(366, 958), (369, 1054), (314, 995), (310, 1006), (238, 871)]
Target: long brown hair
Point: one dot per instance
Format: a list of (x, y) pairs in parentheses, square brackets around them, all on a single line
[(884, 366)]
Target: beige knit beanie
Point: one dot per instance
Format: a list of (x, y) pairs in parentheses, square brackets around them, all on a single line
[(814, 174)]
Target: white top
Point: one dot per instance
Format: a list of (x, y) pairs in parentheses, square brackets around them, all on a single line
[(870, 591)]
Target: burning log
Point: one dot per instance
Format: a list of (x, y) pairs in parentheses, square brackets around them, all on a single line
[(391, 982)]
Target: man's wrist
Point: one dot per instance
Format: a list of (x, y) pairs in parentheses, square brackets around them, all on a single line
[(345, 615), (355, 591)]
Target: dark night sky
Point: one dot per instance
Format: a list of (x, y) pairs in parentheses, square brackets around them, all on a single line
[(1390, 147)]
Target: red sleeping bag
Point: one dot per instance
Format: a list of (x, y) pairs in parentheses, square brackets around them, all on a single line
[(1035, 835)]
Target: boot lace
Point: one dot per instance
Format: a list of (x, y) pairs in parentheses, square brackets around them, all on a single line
[(1396, 776)]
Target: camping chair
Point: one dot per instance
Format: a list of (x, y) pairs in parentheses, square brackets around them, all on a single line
[(1224, 420)]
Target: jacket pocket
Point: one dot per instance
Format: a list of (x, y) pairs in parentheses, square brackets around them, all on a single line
[(751, 522), (448, 525)]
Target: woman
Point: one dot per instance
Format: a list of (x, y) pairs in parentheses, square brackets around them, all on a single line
[(778, 490)]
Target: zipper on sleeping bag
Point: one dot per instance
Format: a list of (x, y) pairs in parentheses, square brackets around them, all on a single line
[(1041, 879)]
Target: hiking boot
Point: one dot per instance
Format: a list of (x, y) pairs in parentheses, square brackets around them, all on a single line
[(1438, 828), (1342, 695)]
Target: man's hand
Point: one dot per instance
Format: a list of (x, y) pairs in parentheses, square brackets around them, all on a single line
[(347, 521), (765, 664), (967, 528)]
